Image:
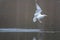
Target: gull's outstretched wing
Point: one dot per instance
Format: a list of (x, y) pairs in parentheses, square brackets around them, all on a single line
[(38, 8)]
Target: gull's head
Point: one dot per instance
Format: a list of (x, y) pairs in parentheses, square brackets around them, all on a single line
[(43, 15)]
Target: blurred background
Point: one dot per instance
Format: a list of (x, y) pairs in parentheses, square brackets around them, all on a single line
[(19, 14)]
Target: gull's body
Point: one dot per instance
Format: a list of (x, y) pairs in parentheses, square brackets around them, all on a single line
[(38, 16)]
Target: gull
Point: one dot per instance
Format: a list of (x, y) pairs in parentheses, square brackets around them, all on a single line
[(37, 15)]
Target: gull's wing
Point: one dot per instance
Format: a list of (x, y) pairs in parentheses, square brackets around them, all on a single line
[(38, 8)]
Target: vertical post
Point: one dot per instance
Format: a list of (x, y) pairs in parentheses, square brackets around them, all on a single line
[(17, 14), (17, 17)]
